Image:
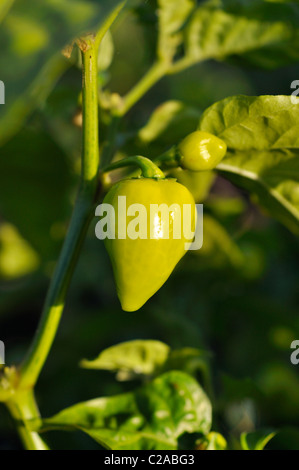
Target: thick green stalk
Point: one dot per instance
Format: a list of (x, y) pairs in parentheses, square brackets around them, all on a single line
[(157, 71), (55, 301), (23, 408), (148, 168)]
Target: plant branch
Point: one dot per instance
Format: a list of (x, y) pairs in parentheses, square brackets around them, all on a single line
[(183, 64), (148, 168), (55, 301), (156, 72), (23, 408), (108, 23)]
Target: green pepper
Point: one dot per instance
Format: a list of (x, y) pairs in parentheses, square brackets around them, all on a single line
[(142, 265), (201, 151)]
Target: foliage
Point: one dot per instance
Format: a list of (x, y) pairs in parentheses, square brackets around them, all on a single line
[(218, 334)]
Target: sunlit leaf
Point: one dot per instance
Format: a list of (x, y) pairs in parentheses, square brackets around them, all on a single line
[(141, 359), (213, 441), (263, 150), (106, 52), (256, 440), (265, 34), (169, 123), (32, 40), (172, 16), (152, 418), (138, 357), (17, 258)]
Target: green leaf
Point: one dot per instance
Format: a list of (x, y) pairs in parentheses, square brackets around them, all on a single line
[(169, 123), (17, 258), (192, 361), (213, 441), (106, 52), (263, 150), (256, 440), (172, 17), (148, 358), (133, 357), (35, 95), (152, 418), (32, 41), (265, 34)]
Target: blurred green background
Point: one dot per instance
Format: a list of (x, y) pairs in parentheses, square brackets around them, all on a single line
[(237, 299)]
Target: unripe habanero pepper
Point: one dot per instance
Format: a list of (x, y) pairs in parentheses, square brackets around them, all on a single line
[(201, 151), (143, 264)]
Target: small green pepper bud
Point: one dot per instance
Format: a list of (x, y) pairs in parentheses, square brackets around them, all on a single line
[(201, 151)]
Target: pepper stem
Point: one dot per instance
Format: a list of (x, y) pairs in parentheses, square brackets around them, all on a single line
[(148, 168), (32, 365)]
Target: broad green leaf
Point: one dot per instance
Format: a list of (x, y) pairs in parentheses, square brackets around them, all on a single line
[(172, 17), (152, 418), (256, 440), (135, 357), (265, 34), (17, 258), (263, 150), (148, 358), (213, 441), (169, 123), (192, 361), (32, 39)]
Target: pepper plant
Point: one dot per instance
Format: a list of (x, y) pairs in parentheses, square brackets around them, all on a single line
[(251, 141)]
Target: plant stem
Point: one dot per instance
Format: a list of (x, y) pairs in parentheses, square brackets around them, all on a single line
[(107, 24), (156, 72), (168, 159), (183, 64), (148, 168), (23, 408), (35, 94), (55, 301)]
